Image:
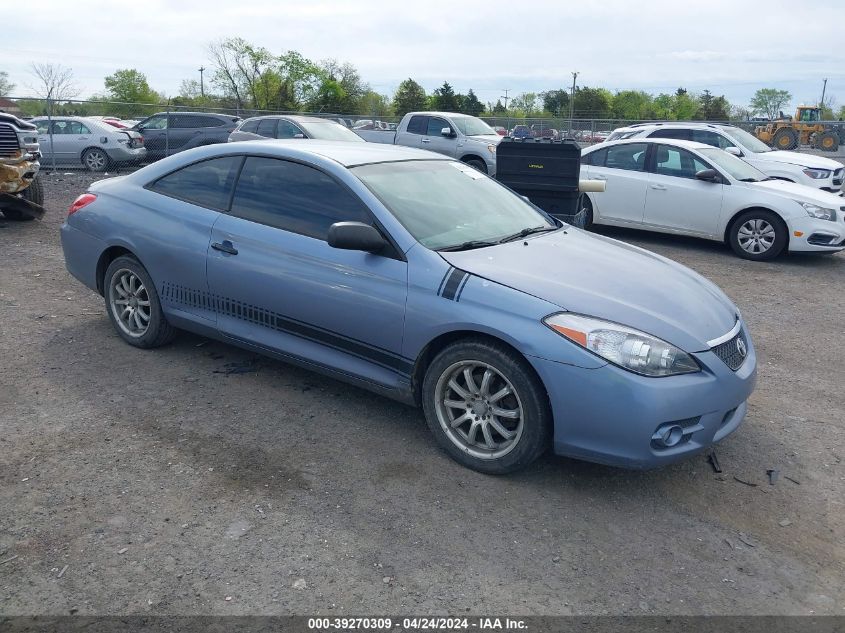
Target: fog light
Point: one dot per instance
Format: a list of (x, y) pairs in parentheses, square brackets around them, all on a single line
[(667, 436)]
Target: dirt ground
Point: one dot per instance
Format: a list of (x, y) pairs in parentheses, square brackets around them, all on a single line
[(156, 482)]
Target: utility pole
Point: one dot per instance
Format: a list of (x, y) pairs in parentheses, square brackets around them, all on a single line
[(572, 101), (824, 89), (202, 84), (507, 114)]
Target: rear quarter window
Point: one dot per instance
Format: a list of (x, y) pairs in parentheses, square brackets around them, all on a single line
[(249, 126), (207, 183)]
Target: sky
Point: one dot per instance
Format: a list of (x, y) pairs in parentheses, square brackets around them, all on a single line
[(729, 47)]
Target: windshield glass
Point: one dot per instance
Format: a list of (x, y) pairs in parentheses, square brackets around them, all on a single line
[(445, 203), (735, 167), (746, 140), (329, 131), (470, 126)]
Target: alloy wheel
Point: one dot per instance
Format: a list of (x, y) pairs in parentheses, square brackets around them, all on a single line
[(130, 303), (95, 160)]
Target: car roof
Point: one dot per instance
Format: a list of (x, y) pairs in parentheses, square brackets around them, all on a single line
[(674, 124), (184, 113), (294, 117), (343, 152), (659, 141)]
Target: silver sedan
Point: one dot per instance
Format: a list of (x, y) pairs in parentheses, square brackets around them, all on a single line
[(71, 140)]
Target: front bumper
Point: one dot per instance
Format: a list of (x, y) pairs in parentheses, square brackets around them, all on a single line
[(609, 415), (123, 154), (811, 235)]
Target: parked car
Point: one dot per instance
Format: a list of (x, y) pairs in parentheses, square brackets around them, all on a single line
[(520, 131), (500, 130), (21, 191), (415, 276), (467, 138), (543, 131), (169, 133), (292, 126), (93, 144), (695, 189), (806, 169)]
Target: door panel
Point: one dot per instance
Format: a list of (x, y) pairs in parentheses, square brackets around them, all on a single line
[(434, 141), (623, 169), (281, 284), (676, 200)]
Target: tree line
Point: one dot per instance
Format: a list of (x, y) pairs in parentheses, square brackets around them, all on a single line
[(249, 78)]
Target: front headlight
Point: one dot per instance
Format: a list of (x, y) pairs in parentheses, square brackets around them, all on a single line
[(817, 174), (815, 211), (631, 349), (492, 149)]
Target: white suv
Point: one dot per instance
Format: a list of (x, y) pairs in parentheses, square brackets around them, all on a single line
[(806, 169)]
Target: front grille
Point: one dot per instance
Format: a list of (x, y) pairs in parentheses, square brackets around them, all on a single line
[(730, 351), (8, 140)]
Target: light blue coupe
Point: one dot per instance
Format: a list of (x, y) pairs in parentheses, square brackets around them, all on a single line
[(418, 277)]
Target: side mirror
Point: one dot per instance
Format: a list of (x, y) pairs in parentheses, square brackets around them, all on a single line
[(298, 136), (355, 236), (733, 150), (446, 131), (708, 175)]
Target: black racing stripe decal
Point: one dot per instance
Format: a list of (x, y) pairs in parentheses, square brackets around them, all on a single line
[(443, 281), (181, 295), (461, 287), (455, 279)]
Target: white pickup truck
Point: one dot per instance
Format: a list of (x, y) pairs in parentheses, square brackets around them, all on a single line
[(467, 138)]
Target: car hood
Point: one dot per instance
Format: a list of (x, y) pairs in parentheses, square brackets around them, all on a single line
[(804, 193), (487, 138), (796, 158), (604, 278)]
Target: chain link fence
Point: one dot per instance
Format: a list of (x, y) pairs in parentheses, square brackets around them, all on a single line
[(110, 136)]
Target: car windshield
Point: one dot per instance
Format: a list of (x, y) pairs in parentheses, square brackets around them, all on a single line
[(329, 131), (735, 167), (470, 126), (746, 140), (446, 204)]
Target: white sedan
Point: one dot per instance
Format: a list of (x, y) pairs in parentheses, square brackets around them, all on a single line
[(694, 189)]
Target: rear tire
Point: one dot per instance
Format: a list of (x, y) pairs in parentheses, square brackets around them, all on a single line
[(133, 305), (828, 141), (496, 422), (785, 139), (758, 235), (35, 194), (95, 159), (586, 205)]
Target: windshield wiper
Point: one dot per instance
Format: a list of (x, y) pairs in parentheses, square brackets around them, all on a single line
[(750, 180), (466, 246), (527, 232)]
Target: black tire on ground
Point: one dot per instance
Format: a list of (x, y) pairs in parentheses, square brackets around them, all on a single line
[(478, 164), (828, 141), (35, 194), (527, 395), (95, 159), (159, 331), (756, 223), (785, 139)]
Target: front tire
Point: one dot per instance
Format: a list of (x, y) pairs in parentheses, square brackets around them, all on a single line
[(828, 141), (785, 139), (758, 235), (133, 305), (478, 164), (486, 407), (585, 206)]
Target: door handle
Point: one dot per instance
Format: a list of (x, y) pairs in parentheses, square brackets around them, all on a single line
[(658, 187), (225, 246), (598, 177), (426, 140)]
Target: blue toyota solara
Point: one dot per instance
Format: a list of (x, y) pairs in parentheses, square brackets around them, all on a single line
[(421, 279)]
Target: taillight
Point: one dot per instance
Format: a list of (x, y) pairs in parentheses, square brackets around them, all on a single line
[(82, 201)]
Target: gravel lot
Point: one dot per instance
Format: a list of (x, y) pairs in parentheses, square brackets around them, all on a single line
[(155, 482)]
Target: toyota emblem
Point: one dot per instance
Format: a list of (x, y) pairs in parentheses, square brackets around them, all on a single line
[(741, 348)]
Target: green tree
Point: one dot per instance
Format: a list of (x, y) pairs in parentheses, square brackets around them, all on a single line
[(684, 106), (374, 104), (556, 102), (444, 98), (471, 105), (130, 86), (712, 108), (770, 101), (410, 97), (499, 108), (632, 105), (6, 86), (592, 103), (525, 103), (662, 106)]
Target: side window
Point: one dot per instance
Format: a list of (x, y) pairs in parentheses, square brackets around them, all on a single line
[(630, 157), (209, 121), (597, 158), (250, 126), (709, 138), (435, 125), (267, 127), (418, 124), (157, 122), (681, 135), (42, 126), (287, 130), (75, 127), (207, 183), (61, 127), (293, 197), (674, 161), (183, 121)]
